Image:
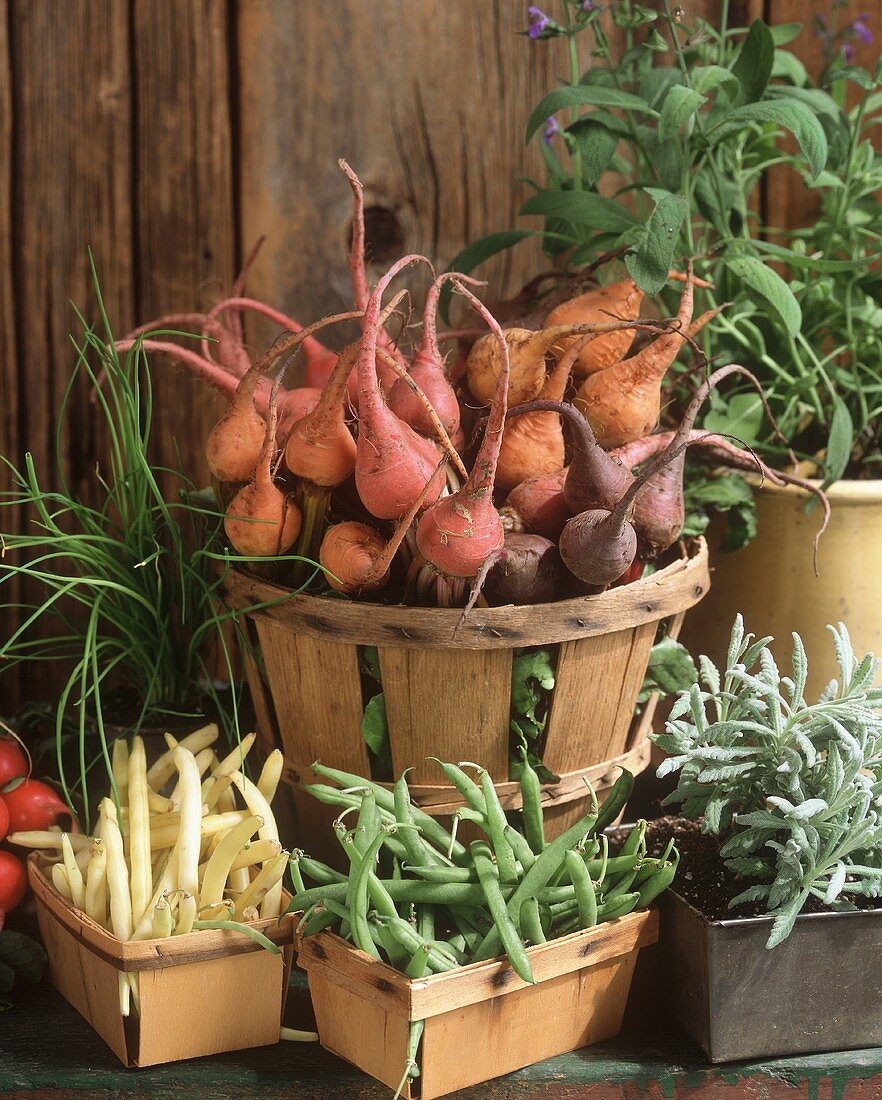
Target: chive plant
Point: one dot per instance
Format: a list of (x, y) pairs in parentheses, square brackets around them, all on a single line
[(122, 580)]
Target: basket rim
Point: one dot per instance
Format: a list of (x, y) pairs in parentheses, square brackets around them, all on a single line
[(435, 994), (675, 588), (153, 954)]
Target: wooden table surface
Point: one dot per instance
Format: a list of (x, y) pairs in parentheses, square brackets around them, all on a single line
[(47, 1052)]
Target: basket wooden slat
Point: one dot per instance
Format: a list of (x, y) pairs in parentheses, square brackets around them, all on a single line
[(316, 686), (597, 682), (424, 691)]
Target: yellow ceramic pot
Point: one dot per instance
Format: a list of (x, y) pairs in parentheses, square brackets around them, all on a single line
[(772, 582)]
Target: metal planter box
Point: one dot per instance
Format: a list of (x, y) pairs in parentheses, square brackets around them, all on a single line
[(820, 990)]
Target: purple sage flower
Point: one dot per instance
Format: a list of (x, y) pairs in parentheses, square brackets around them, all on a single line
[(550, 129), (848, 52), (589, 5), (861, 30), (538, 21)]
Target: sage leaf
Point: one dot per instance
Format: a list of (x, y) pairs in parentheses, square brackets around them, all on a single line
[(789, 114), (770, 288), (650, 263), (572, 95), (839, 442), (680, 104), (585, 208), (753, 65)]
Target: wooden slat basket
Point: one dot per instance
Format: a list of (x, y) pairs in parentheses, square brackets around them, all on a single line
[(448, 696), (481, 1021), (203, 993)]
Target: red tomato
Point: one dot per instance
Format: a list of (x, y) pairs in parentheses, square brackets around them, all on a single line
[(13, 761), (13, 882), (33, 805), (4, 819)]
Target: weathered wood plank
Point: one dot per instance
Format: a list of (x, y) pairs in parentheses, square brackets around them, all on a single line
[(71, 118), (438, 92), (10, 518), (788, 202), (185, 234)]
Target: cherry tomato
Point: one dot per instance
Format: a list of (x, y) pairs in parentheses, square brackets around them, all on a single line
[(13, 882), (13, 761), (33, 805), (4, 819)]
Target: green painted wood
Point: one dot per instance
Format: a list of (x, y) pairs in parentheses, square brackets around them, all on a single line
[(47, 1052)]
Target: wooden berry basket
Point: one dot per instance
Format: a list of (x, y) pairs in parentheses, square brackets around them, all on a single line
[(203, 993), (449, 696), (481, 1020)]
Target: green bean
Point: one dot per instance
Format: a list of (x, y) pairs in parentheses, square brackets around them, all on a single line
[(339, 910), (426, 921), (466, 786), (418, 966), (432, 829), (418, 851), (531, 923), (296, 871), (403, 890), (476, 817), (458, 943), (443, 874), (524, 854), (635, 840), (565, 927), (531, 795), (455, 947), (535, 879), (411, 940), (503, 923), (651, 889), (368, 823), (620, 885), (320, 872), (316, 918), (599, 868), (496, 823), (617, 907), (570, 905), (358, 903), (411, 1067), (615, 801), (586, 898)]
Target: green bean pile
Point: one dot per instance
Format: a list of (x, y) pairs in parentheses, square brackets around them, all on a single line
[(419, 899)]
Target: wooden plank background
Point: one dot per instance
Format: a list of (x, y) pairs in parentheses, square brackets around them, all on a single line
[(168, 135)]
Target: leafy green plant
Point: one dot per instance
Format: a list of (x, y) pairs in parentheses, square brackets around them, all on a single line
[(670, 670), (793, 788), (128, 580), (657, 154)]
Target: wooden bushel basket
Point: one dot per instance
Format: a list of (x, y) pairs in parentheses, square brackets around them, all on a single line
[(481, 1020), (449, 696), (203, 993)]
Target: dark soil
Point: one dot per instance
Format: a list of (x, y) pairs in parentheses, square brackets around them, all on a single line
[(704, 880)]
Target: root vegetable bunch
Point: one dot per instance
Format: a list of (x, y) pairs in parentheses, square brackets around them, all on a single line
[(368, 470)]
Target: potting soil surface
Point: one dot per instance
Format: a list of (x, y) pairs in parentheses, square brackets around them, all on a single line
[(706, 882)]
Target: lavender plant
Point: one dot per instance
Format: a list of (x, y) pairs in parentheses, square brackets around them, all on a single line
[(793, 788)]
